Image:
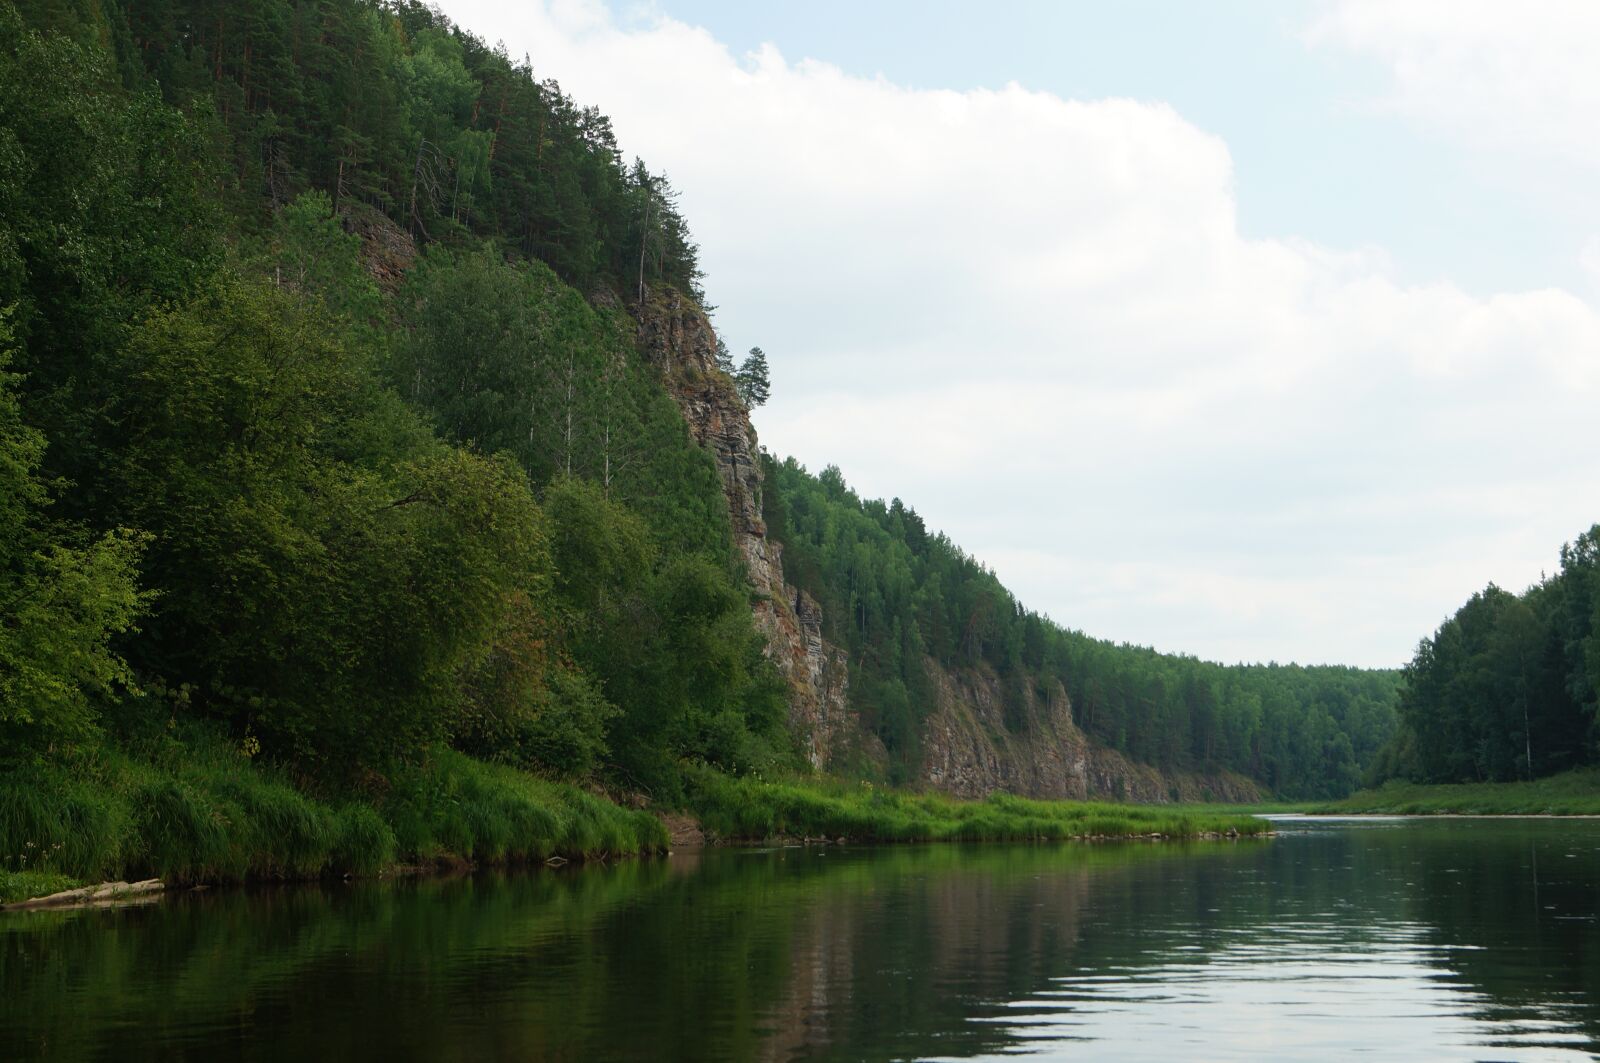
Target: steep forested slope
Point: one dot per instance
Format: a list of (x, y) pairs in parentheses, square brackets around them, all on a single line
[(348, 420), (908, 604), (307, 447)]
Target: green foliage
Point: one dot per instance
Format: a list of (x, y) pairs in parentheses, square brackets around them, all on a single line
[(752, 380), (326, 486), (1506, 688), (329, 579), (307, 250), (898, 597), (753, 810), (307, 556), (104, 210), (505, 357), (203, 812), (672, 645), (63, 597), (390, 106)]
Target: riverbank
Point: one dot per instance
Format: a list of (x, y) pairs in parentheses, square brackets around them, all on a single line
[(209, 815), (1571, 793), (746, 810)]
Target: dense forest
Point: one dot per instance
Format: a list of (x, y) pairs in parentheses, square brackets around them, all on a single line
[(328, 450), (896, 595), (266, 487), (1509, 687)]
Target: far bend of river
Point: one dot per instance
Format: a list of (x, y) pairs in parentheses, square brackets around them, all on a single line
[(1387, 939)]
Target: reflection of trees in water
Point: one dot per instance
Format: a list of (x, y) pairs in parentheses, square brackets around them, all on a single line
[(790, 954), (1525, 897), (899, 964)]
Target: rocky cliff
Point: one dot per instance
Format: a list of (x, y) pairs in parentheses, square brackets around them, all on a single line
[(676, 337), (968, 748)]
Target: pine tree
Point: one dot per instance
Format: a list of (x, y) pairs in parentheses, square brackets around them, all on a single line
[(752, 381)]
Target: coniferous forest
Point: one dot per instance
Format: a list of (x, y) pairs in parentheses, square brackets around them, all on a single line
[(335, 481)]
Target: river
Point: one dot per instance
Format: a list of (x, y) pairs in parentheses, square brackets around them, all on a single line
[(1383, 939)]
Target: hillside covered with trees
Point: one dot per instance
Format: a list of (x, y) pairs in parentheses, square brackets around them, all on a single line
[(329, 459), (1506, 689), (897, 595)]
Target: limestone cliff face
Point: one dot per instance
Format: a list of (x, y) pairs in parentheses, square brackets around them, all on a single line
[(968, 748), (969, 751), (676, 337)]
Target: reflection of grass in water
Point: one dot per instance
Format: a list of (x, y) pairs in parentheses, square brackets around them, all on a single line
[(209, 815), (748, 809), (1571, 793)]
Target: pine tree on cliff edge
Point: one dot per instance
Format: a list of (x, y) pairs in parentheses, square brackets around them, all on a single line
[(752, 381)]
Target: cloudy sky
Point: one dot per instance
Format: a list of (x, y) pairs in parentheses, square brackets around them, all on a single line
[(1254, 330)]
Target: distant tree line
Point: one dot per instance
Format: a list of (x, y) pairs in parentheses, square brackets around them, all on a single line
[(896, 595)]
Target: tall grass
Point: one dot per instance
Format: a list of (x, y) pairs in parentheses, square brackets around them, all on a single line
[(212, 816), (490, 813), (752, 810)]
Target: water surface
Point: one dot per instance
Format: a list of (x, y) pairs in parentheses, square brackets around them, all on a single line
[(1392, 939)]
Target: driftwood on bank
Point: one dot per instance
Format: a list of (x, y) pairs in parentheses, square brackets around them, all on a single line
[(94, 896)]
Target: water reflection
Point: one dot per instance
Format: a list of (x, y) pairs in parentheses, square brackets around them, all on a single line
[(1439, 940)]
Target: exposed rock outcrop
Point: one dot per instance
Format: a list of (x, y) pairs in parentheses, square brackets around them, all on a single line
[(386, 249), (676, 337), (970, 748)]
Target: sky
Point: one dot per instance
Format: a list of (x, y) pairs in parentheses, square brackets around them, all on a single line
[(1251, 330)]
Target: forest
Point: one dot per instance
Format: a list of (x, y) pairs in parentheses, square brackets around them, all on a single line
[(330, 462), (895, 594), (1507, 689)]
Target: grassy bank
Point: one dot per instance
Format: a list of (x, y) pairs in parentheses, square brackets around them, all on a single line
[(751, 810), (210, 816), (206, 814), (1572, 793)]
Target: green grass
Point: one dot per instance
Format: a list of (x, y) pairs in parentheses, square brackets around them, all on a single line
[(25, 885), (752, 810), (200, 812), (206, 814), (1572, 793)]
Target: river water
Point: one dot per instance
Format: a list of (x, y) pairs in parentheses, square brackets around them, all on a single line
[(1374, 939)]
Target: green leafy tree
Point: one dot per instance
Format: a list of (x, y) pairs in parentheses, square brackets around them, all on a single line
[(326, 575), (64, 596)]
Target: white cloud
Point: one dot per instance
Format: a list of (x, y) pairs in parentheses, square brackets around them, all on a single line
[(1519, 76), (1036, 320)]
